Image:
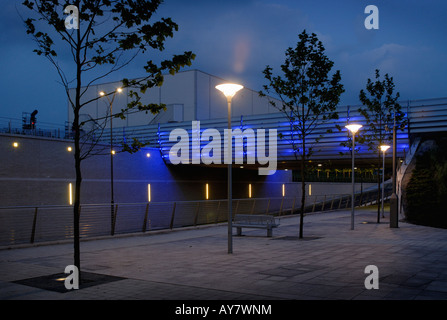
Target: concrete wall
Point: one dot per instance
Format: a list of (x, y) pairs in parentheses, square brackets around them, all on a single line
[(36, 172), (39, 170)]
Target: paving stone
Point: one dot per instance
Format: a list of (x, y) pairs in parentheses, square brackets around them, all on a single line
[(193, 263)]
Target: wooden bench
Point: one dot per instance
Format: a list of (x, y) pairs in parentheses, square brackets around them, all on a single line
[(254, 221)]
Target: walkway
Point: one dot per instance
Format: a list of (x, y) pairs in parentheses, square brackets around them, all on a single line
[(193, 264)]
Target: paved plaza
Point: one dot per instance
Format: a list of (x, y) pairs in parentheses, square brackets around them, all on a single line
[(193, 263)]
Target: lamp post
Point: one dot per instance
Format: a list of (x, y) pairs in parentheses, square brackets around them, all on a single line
[(353, 128), (394, 217), (229, 90), (112, 152), (383, 148)]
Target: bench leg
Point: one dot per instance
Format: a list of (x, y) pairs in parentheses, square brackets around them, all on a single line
[(239, 231), (269, 232)]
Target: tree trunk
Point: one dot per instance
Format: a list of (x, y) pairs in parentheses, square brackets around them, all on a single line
[(77, 195), (77, 205), (378, 167), (77, 138), (303, 189), (378, 190), (303, 199)]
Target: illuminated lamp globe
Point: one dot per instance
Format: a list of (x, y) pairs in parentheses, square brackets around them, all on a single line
[(229, 89), (353, 127)]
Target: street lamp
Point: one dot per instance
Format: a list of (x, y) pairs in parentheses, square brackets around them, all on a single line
[(229, 90), (394, 208), (353, 128), (383, 148), (112, 152)]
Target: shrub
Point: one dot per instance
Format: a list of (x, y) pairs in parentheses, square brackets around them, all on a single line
[(427, 189)]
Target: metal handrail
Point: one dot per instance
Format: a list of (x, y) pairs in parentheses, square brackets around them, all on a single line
[(30, 224)]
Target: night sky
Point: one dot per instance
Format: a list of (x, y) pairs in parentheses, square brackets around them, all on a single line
[(235, 40)]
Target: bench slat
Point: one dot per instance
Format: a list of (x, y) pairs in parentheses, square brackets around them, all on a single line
[(255, 221)]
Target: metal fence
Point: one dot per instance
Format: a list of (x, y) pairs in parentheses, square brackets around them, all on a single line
[(44, 129), (32, 224)]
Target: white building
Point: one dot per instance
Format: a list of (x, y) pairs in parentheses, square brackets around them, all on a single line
[(188, 95)]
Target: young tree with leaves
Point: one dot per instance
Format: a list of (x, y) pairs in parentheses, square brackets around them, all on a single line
[(308, 95), (380, 110), (104, 38)]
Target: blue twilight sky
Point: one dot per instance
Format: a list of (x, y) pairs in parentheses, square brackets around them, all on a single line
[(235, 40)]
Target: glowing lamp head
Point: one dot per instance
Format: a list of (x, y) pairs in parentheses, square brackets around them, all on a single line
[(353, 127), (229, 89), (119, 90), (102, 93), (384, 148)]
